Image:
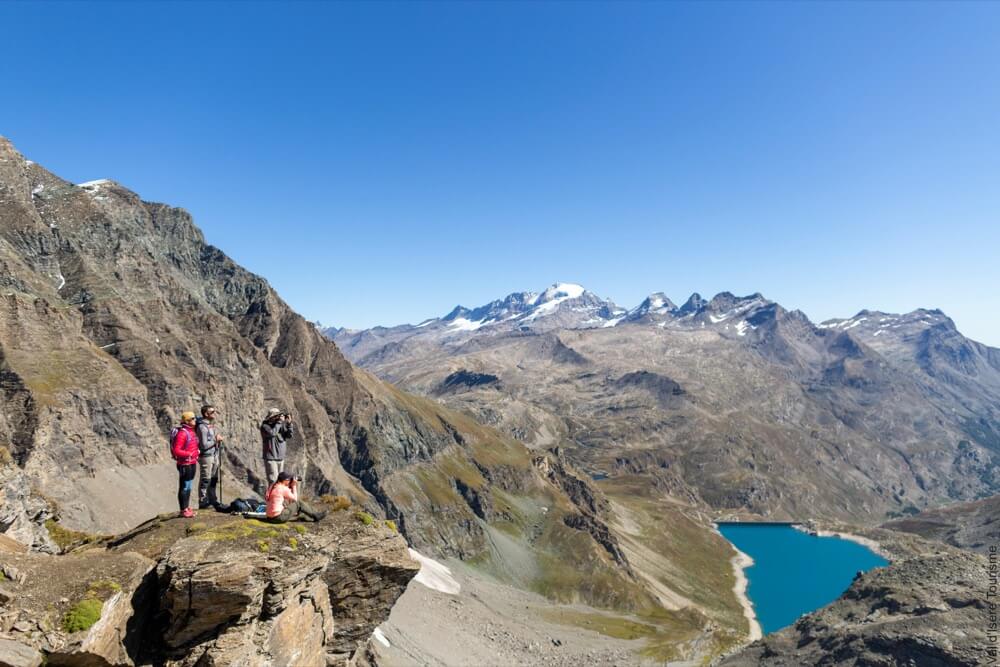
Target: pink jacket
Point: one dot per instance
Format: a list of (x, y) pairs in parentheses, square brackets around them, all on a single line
[(276, 497), (185, 446)]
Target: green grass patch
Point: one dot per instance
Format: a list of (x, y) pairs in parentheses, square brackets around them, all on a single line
[(300, 529), (365, 518), (82, 615), (264, 545), (103, 588), (293, 543), (242, 529), (65, 538), (391, 525)]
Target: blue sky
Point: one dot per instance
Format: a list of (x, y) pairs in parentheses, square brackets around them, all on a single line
[(379, 163)]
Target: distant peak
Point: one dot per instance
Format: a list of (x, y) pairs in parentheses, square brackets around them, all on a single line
[(457, 311), (561, 290), (657, 302), (693, 304)]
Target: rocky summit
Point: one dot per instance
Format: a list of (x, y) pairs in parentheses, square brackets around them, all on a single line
[(219, 591)]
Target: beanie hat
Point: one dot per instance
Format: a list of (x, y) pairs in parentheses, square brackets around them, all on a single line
[(187, 416)]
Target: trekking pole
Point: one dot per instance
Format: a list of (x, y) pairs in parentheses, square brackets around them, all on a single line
[(219, 500)]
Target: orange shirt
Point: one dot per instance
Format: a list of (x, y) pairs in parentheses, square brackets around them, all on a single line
[(276, 497)]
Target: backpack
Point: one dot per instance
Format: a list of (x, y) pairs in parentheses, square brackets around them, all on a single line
[(173, 438), (246, 505), (173, 441)]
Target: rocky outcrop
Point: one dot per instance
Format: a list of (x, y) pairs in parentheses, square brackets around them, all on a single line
[(217, 591), (23, 512)]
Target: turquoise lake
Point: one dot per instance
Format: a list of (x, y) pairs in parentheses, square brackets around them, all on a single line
[(793, 572)]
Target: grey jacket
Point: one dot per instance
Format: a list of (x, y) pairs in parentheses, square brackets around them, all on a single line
[(206, 437), (273, 436)]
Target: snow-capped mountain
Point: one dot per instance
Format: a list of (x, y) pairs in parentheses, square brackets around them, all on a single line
[(563, 305)]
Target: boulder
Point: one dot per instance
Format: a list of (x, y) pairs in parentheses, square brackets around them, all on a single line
[(220, 591), (15, 654)]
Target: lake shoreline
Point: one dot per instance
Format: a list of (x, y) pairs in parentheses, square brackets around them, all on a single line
[(867, 542), (740, 563)]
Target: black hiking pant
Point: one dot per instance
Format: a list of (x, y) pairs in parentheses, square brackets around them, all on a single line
[(185, 483)]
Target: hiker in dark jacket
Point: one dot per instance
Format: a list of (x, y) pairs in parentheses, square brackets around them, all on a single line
[(209, 459), (275, 430), (184, 449)]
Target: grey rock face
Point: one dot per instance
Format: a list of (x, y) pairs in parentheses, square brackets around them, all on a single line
[(22, 512), (15, 654)]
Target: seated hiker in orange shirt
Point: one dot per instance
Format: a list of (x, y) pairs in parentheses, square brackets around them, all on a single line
[(283, 502)]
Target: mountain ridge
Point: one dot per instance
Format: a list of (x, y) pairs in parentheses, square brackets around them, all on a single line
[(521, 305), (840, 395)]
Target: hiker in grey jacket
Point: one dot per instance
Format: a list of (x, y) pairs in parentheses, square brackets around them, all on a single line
[(275, 430), (209, 458)]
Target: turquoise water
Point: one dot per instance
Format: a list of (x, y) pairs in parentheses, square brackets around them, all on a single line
[(795, 573)]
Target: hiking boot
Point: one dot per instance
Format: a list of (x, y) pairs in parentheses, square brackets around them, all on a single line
[(189, 513), (317, 516)]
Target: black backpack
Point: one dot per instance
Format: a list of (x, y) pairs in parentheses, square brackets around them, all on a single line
[(241, 505)]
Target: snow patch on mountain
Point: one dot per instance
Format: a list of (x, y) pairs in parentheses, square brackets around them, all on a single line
[(462, 324), (434, 575)]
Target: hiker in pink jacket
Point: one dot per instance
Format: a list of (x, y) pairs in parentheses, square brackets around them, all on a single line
[(283, 502), (185, 450)]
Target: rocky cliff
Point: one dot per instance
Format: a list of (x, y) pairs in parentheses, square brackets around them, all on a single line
[(219, 591)]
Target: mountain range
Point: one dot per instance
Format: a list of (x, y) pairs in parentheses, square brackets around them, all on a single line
[(736, 400)]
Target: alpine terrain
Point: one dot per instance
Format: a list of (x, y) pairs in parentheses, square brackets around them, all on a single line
[(116, 316), (734, 401)]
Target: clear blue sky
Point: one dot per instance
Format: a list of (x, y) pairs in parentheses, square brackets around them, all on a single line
[(381, 162)]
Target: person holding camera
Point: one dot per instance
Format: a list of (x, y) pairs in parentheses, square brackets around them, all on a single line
[(275, 430), (283, 502)]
